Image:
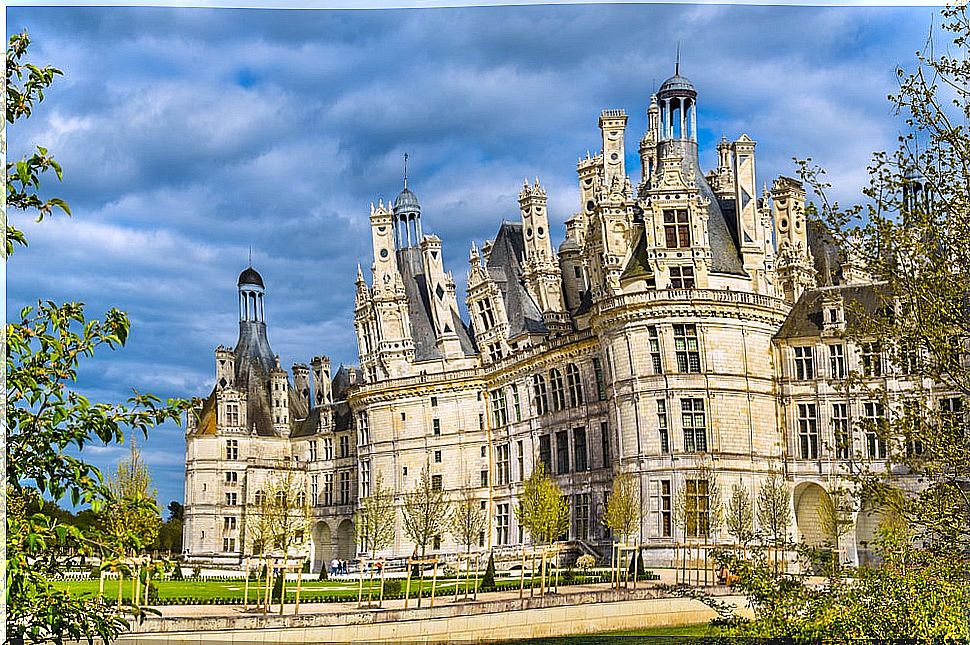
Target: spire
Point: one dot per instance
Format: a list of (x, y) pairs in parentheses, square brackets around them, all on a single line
[(677, 64), (405, 170), (250, 256)]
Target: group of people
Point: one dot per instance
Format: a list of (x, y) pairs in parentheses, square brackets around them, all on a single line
[(338, 567)]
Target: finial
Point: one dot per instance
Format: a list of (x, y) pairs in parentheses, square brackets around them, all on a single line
[(405, 170), (677, 64), (250, 256)]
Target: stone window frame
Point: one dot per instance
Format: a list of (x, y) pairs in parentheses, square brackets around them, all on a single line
[(874, 416), (574, 384), (540, 402), (838, 366), (807, 434), (676, 226), (580, 449), (687, 348), (804, 362), (695, 434), (663, 427)]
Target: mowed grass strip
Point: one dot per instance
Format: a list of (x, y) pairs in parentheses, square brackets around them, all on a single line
[(202, 590)]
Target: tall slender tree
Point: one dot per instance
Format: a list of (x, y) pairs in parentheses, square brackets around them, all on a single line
[(426, 511)]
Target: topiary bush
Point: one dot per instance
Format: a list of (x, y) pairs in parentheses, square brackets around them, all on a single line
[(488, 580)]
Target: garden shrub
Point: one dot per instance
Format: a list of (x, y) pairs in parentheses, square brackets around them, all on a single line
[(488, 580)]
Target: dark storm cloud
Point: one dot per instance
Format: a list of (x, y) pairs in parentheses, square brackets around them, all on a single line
[(190, 135)]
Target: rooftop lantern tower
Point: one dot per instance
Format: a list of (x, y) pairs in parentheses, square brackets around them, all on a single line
[(678, 107), (407, 215), (253, 342)]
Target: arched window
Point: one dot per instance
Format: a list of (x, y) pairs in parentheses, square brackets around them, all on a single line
[(260, 497), (574, 384), (539, 401), (558, 392), (281, 498), (301, 500)]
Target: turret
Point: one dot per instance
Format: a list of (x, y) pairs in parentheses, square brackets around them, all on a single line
[(794, 266), (252, 348), (613, 128), (540, 271)]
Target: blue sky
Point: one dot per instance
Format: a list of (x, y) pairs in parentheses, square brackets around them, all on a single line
[(189, 135)]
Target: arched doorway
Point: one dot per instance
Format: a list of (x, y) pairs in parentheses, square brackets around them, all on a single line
[(346, 549), (808, 499), (322, 545)]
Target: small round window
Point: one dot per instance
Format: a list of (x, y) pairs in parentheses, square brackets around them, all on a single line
[(540, 231), (383, 253), (528, 232)]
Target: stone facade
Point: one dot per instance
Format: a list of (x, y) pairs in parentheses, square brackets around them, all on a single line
[(660, 339)]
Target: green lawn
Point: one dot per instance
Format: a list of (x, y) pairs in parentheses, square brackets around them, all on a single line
[(234, 589)]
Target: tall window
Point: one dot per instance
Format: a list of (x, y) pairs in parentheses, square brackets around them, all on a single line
[(581, 516), (562, 452), (363, 430), (580, 456), (665, 507), (344, 446), (663, 426), (952, 416), (228, 544), (328, 489), (695, 427), (231, 499), (804, 363), (697, 506), (871, 359), (232, 415), (874, 418), (558, 391), (539, 401), (808, 430), (229, 523), (365, 478), (687, 348), (520, 459), (232, 449), (545, 452), (677, 229), (232, 478), (502, 465), (681, 277), (315, 489), (653, 339), (841, 430), (575, 385), (259, 498), (605, 442), (909, 362), (328, 448), (914, 427), (837, 361), (486, 315), (436, 427), (502, 524), (344, 487), (600, 381), (312, 446), (500, 413), (436, 481), (516, 404)]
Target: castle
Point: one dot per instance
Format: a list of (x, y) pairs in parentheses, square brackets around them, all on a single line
[(686, 325)]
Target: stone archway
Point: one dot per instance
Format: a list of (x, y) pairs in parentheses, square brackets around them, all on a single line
[(866, 527), (346, 547), (322, 545), (808, 498)]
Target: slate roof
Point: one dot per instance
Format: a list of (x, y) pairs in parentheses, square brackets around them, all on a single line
[(504, 266), (418, 294), (805, 318)]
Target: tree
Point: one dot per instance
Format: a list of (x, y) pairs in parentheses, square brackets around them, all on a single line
[(282, 517), (49, 422), (467, 520), (774, 509), (426, 511), (131, 523), (176, 511), (623, 509), (374, 520), (835, 514), (542, 510), (738, 516)]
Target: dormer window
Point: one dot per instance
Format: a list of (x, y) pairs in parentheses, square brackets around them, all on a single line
[(681, 277), (677, 229)]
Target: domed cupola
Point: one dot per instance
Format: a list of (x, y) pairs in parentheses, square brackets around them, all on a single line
[(678, 107), (252, 344), (407, 215)]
